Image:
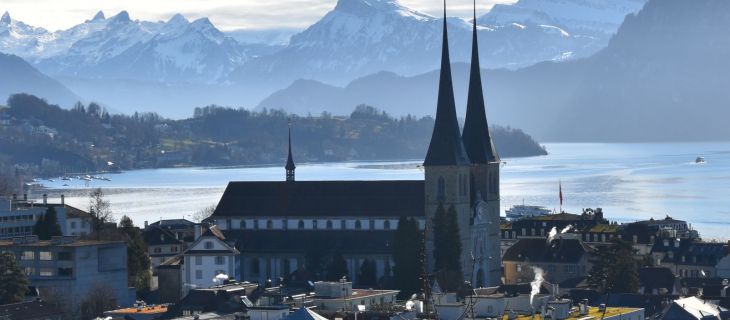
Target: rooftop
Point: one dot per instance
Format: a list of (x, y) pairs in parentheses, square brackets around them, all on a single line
[(50, 243), (152, 309), (361, 293), (593, 313), (323, 198)]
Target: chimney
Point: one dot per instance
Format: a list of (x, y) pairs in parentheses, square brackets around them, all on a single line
[(63, 200), (45, 199), (145, 224)]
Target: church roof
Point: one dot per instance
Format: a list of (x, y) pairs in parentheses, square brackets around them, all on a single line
[(476, 136), (446, 147), (323, 198)]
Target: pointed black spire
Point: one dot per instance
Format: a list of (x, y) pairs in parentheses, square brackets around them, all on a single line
[(290, 167), (476, 136), (446, 147)]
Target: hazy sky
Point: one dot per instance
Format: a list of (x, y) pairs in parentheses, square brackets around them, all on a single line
[(226, 14)]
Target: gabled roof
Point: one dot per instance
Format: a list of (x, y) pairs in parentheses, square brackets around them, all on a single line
[(539, 250), (215, 233), (476, 136), (156, 236), (322, 198), (446, 147), (304, 314)]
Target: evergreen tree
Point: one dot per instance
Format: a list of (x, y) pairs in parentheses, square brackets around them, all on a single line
[(47, 225), (407, 246), (337, 267), (614, 268), (13, 284), (447, 248), (138, 262), (440, 245), (454, 240), (368, 274)]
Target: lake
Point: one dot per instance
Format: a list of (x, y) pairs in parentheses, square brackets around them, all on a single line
[(629, 181)]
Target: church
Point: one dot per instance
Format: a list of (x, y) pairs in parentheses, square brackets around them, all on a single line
[(282, 227)]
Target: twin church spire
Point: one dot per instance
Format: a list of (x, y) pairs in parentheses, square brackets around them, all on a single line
[(448, 146)]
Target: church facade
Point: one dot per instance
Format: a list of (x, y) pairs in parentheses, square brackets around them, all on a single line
[(283, 227)]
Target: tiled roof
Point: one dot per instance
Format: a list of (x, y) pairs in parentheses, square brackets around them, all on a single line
[(539, 250)]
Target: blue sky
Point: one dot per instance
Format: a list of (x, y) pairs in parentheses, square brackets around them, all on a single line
[(226, 14)]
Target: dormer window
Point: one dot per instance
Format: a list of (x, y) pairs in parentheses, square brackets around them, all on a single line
[(208, 245)]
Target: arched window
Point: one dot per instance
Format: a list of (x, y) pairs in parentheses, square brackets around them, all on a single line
[(441, 189), (284, 224), (386, 225), (256, 224), (269, 225), (301, 224), (358, 224), (343, 224), (314, 224), (242, 224), (329, 224)]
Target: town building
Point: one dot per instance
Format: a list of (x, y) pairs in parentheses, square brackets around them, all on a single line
[(208, 261), (335, 296), (692, 258), (273, 223), (70, 268), (19, 215), (162, 244), (560, 259), (183, 229)]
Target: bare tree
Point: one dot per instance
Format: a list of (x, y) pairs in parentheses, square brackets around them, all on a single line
[(99, 208), (203, 214), (99, 298), (7, 185)]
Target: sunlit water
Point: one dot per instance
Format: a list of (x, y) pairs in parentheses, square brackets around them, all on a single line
[(629, 181)]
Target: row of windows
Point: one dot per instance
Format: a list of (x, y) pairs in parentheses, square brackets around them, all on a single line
[(587, 237), (48, 272), (199, 274), (219, 260), (329, 225), (43, 256), (25, 217), (159, 249), (16, 231)]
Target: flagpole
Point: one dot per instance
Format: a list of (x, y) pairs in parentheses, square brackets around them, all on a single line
[(560, 188)]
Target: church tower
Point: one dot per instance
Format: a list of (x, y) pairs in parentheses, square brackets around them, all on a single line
[(290, 167), (447, 165), (483, 178)]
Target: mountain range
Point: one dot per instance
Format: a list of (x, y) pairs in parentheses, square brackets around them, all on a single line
[(662, 77), (172, 66)]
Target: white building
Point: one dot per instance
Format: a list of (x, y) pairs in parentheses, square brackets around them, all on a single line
[(207, 258), (340, 295)]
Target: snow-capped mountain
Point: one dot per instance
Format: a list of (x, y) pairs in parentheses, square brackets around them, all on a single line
[(178, 51), (19, 38), (361, 37), (588, 17), (105, 59)]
